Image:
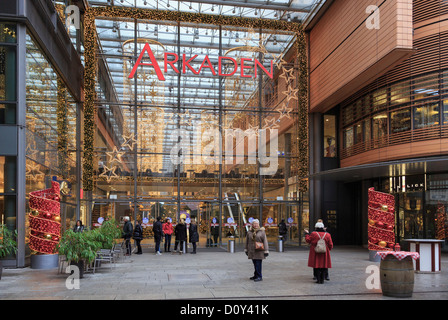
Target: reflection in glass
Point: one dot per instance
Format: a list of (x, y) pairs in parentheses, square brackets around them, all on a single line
[(329, 136), (400, 120), (426, 115)]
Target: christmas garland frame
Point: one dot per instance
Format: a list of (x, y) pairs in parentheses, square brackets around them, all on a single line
[(90, 40)]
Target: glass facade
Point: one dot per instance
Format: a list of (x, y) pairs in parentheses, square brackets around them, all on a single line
[(44, 132), (190, 143), (8, 103), (398, 113)]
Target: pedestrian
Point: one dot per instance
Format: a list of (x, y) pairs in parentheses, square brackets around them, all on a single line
[(168, 230), (214, 230), (282, 230), (194, 234), (158, 234), (257, 248), (326, 275), (127, 234), (320, 262), (180, 232), (78, 227), (138, 236)]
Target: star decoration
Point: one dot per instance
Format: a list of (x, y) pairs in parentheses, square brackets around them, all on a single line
[(291, 93), (33, 170), (129, 141), (288, 74), (115, 155), (109, 173), (285, 111), (270, 123)]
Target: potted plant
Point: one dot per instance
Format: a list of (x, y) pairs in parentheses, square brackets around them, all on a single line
[(107, 233), (79, 247), (8, 245)]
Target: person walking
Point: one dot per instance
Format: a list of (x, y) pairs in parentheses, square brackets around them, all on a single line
[(180, 232), (138, 236), (257, 248), (282, 230), (158, 234), (319, 261), (193, 233), (127, 234), (168, 230), (78, 227)]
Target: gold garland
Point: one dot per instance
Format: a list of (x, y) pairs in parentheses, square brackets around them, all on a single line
[(62, 127), (90, 71)]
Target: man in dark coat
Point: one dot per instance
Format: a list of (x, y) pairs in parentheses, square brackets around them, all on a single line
[(127, 234), (158, 234), (194, 234), (180, 231)]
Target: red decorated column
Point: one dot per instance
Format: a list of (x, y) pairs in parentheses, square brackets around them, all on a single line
[(45, 219), (381, 215)]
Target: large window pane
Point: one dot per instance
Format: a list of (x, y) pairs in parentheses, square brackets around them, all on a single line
[(379, 99), (379, 125), (7, 174), (400, 93), (426, 115), (329, 136), (348, 138), (400, 120), (7, 73), (7, 113)]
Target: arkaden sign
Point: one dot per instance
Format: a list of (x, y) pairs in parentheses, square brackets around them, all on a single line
[(242, 67)]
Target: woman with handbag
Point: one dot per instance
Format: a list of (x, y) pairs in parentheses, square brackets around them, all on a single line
[(257, 248), (320, 245)]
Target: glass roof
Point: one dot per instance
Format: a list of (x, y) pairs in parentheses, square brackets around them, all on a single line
[(293, 10)]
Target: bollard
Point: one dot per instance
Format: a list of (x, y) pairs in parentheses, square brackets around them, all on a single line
[(184, 247), (231, 245), (280, 244)]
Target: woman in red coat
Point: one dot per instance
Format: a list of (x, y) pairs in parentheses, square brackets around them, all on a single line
[(319, 261)]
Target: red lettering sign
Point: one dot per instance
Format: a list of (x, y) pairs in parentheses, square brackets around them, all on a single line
[(206, 64)]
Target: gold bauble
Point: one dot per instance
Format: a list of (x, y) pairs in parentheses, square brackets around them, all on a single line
[(382, 244), (57, 218), (48, 236), (35, 212), (384, 207)]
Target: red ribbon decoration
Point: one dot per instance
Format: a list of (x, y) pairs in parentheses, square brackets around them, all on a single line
[(45, 231)]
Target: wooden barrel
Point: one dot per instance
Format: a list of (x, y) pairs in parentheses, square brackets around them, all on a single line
[(397, 277)]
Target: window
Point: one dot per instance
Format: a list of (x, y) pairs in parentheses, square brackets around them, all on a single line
[(358, 133), (7, 174), (348, 138), (329, 136), (379, 99), (400, 120), (445, 111), (7, 73), (400, 93), (7, 114), (367, 130), (426, 115), (426, 87), (379, 125)]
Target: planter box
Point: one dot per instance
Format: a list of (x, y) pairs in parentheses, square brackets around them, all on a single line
[(44, 261)]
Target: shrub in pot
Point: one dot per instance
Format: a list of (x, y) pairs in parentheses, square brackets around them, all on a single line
[(79, 247), (8, 244)]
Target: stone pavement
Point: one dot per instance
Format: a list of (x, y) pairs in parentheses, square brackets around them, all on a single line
[(216, 274)]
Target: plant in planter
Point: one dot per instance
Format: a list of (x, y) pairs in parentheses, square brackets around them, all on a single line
[(107, 233), (79, 247), (8, 245)]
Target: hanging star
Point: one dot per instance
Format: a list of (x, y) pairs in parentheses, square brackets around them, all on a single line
[(33, 170), (115, 155), (291, 94), (285, 111), (109, 173), (129, 141), (288, 74), (270, 123)]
